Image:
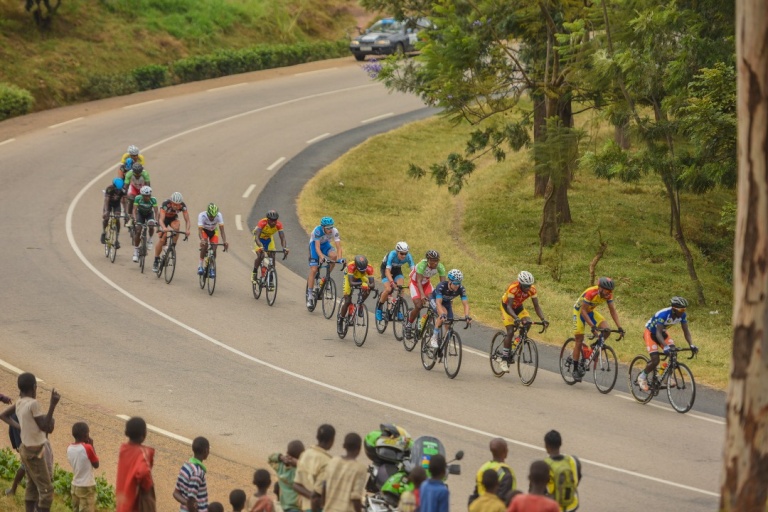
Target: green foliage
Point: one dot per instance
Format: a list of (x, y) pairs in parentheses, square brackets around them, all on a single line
[(62, 484), (106, 86), (9, 464), (153, 76), (14, 101)]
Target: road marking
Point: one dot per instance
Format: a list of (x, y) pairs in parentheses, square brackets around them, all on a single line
[(276, 163), (248, 191), (65, 122), (160, 430), (11, 367), (238, 222), (6, 141), (670, 409), (382, 116), (319, 137), (142, 104), (226, 87), (314, 72), (309, 380)]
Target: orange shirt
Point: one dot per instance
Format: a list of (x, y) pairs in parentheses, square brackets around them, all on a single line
[(591, 298), (517, 295)]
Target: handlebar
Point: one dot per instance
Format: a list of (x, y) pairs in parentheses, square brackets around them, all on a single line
[(467, 320), (544, 326), (602, 332), (174, 232), (689, 349), (216, 244)]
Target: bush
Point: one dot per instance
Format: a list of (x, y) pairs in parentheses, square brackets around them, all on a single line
[(149, 77), (14, 101), (107, 86)]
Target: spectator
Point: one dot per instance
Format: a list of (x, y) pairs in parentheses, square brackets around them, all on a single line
[(82, 457), (506, 477), (236, 500), (433, 494), (311, 465), (565, 470), (191, 488), (285, 467), (489, 501), (344, 483), (15, 436), (134, 487), (537, 500), (215, 507), (409, 500), (260, 501), (34, 442)]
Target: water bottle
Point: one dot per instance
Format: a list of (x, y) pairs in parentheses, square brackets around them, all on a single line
[(587, 351), (662, 368), (351, 310), (422, 321)]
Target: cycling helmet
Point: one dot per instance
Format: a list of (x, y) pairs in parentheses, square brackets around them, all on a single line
[(678, 303), (146, 190), (401, 247), (137, 168), (133, 150), (605, 282), (212, 210), (118, 183), (432, 255), (455, 276), (326, 222), (128, 163), (361, 262), (176, 197), (272, 215), (525, 278)]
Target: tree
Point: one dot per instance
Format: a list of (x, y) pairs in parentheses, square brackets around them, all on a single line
[(744, 484)]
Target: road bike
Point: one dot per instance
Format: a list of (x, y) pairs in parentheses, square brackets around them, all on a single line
[(674, 376), (210, 274), (111, 244), (596, 357), (144, 240), (267, 277), (167, 262), (396, 311), (524, 350), (448, 346), (357, 317), (325, 288)]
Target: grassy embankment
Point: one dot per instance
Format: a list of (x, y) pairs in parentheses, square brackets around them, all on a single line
[(490, 231)]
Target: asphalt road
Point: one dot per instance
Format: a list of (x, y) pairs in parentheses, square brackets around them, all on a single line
[(251, 377)]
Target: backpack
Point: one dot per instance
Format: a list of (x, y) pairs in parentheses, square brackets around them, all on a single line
[(564, 480)]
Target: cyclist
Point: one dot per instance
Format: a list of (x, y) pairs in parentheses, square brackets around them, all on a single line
[(513, 312), (441, 298), (264, 240), (136, 178), (421, 285), (584, 313), (656, 335), (209, 223), (145, 209), (320, 247), (359, 272), (169, 217), (134, 154), (392, 273), (114, 202)]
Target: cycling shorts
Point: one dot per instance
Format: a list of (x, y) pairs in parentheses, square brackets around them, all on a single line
[(350, 281), (114, 207), (397, 273), (268, 244), (167, 221), (652, 344), (143, 217), (314, 258), (520, 311), (415, 290), (447, 305), (579, 325), (133, 191), (211, 234)]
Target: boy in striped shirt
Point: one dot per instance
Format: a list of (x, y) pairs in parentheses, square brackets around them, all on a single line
[(191, 488)]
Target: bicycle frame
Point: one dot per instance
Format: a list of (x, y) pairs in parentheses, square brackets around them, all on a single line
[(659, 383)]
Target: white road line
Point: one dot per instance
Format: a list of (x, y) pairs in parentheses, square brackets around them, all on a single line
[(226, 87), (319, 137), (276, 163), (142, 104), (382, 116), (160, 430), (238, 222), (309, 380), (65, 122), (6, 141), (314, 72), (669, 409), (11, 367), (248, 191)]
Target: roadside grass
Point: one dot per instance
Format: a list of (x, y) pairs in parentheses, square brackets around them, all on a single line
[(490, 231)]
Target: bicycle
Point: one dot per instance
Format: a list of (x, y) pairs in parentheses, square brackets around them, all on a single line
[(268, 277), (143, 243), (326, 288), (396, 311), (449, 346), (209, 269), (524, 350), (111, 244), (598, 357), (168, 257), (681, 392), (357, 316)]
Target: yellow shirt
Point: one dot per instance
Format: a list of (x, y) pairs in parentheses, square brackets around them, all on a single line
[(344, 481), (309, 471), (126, 156), (487, 502)]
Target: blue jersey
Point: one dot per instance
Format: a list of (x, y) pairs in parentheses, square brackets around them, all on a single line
[(446, 294), (392, 261), (663, 317), (319, 235)]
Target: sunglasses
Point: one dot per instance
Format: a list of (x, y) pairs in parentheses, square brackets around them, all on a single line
[(328, 228), (403, 253), (678, 310)]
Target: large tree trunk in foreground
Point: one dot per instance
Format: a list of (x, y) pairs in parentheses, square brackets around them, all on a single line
[(745, 454)]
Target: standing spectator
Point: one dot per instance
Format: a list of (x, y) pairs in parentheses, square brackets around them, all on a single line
[(15, 436), (434, 495), (311, 465), (191, 488), (344, 485), (489, 501), (285, 467), (409, 500), (565, 473), (506, 477), (134, 487), (34, 426), (236, 500), (537, 500), (260, 501), (82, 457), (215, 507)]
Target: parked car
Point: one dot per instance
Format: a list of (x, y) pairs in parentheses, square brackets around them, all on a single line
[(388, 36)]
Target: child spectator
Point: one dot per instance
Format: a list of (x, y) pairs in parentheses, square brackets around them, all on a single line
[(237, 500), (82, 457), (215, 507), (434, 495), (409, 500), (538, 499), (489, 501), (191, 488), (344, 486), (134, 469), (260, 501), (285, 467), (15, 436), (311, 464)]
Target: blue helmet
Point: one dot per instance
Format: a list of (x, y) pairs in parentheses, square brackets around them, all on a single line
[(118, 183), (326, 222)]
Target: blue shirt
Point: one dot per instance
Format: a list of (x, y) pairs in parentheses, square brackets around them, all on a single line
[(663, 317), (442, 291), (434, 496), (392, 260)]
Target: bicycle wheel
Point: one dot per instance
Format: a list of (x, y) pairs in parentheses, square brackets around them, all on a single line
[(107, 244), (605, 369), (170, 264), (329, 298), (683, 393), (427, 354), (271, 284), (381, 325), (112, 241), (566, 361), (360, 325), (636, 367), (452, 355), (398, 324), (527, 361), (497, 344), (211, 278), (202, 277)]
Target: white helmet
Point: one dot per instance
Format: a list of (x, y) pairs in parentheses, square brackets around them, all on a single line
[(455, 276), (525, 278), (176, 197), (146, 190), (133, 150), (401, 247)]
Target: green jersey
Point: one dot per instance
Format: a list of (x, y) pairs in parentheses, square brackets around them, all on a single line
[(145, 207)]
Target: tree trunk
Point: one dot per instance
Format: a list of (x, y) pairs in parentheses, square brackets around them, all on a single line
[(621, 133), (549, 233), (744, 484), (561, 188), (539, 126), (680, 238)]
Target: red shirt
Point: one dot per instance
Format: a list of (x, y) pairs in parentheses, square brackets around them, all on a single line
[(533, 503), (134, 469)]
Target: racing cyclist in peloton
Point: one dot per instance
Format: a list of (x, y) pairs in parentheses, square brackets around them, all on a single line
[(319, 248), (359, 272), (513, 311), (209, 223), (144, 210), (392, 273), (655, 335), (169, 217), (441, 301), (136, 178), (126, 162), (264, 240), (421, 285), (114, 202)]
